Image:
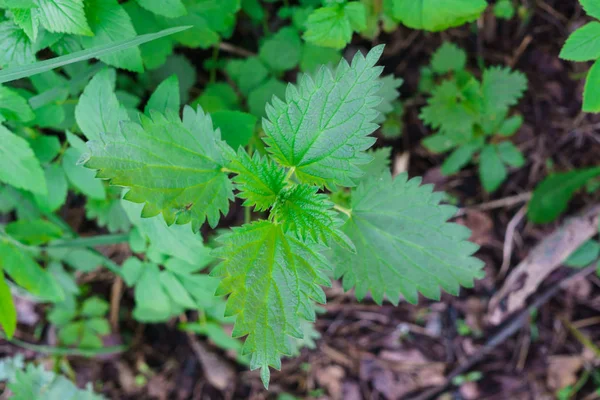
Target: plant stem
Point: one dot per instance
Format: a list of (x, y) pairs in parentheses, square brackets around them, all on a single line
[(64, 351), (344, 210), (100, 240), (290, 173)]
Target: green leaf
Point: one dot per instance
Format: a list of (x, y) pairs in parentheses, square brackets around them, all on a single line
[(381, 163), (258, 179), (165, 97), (94, 307), (173, 287), (217, 97), (591, 94), (18, 165), (167, 8), (15, 48), (448, 57), (510, 154), (176, 240), (82, 179), (309, 216), (333, 26), (492, 171), (437, 15), (27, 273), (8, 312), (45, 148), (551, 197), (261, 95), (64, 16), (13, 106), (404, 244), (173, 166), (459, 158), (132, 270), (510, 126), (504, 9), (110, 24), (314, 56), (586, 254), (273, 280), (27, 19), (18, 47), (33, 232), (57, 181), (583, 44), (389, 95), (237, 128), (334, 107), (247, 74), (98, 110), (281, 51), (152, 304), (109, 213), (591, 7), (502, 88)]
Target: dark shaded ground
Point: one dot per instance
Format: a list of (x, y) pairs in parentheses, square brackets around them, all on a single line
[(372, 352)]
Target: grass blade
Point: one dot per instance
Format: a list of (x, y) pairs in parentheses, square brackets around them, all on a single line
[(13, 73)]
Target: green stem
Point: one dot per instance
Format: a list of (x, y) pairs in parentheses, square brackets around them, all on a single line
[(100, 240), (344, 210), (64, 351), (289, 174)]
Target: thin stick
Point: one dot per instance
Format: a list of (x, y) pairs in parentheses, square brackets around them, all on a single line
[(228, 47), (500, 203), (509, 242)]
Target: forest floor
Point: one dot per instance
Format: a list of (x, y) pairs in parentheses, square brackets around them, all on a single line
[(368, 351)]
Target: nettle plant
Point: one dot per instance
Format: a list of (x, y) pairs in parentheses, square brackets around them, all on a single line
[(472, 117), (584, 45), (330, 210)]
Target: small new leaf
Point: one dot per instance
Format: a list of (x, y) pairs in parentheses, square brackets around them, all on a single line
[(173, 166), (273, 280), (404, 244), (322, 129)]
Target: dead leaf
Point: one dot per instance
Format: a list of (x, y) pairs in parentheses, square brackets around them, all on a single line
[(563, 370), (548, 255), (480, 224), (330, 378)]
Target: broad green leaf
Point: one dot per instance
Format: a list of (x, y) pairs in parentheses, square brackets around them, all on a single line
[(167, 8), (437, 15), (57, 181), (64, 16), (258, 179), (173, 287), (404, 244), (110, 24), (448, 57), (98, 110), (13, 106), (165, 97), (15, 48), (314, 56), (8, 313), (175, 167), (381, 163), (217, 97), (237, 128), (27, 273), (18, 165), (510, 154), (94, 307), (551, 197), (333, 26), (492, 171), (281, 51), (45, 147), (272, 279), (308, 215), (335, 107), (18, 48), (133, 269), (591, 7), (248, 74), (176, 64), (176, 240), (510, 126), (156, 52), (261, 95), (81, 178), (389, 95), (459, 158), (17, 3), (33, 232), (502, 88), (152, 303), (27, 19), (591, 95), (586, 254), (583, 44)]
